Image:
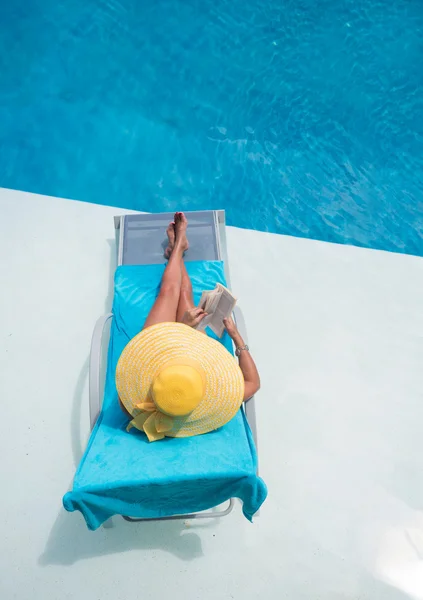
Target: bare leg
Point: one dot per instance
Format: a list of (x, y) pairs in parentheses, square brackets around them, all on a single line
[(186, 300), (166, 305)]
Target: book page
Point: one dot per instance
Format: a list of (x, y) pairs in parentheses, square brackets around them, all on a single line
[(207, 302), (218, 304), (203, 299), (223, 309)]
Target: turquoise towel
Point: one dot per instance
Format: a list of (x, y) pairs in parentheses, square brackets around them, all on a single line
[(122, 473)]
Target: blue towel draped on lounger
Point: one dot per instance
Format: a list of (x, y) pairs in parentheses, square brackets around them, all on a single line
[(122, 473)]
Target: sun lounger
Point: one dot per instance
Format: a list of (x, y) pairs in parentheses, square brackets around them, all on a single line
[(122, 473)]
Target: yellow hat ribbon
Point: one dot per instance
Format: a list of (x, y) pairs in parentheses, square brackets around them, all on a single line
[(151, 421)]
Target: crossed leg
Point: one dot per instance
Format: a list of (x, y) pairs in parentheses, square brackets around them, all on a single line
[(186, 299), (175, 296)]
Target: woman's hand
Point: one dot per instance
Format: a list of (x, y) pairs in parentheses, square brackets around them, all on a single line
[(193, 316), (230, 327), (246, 362)]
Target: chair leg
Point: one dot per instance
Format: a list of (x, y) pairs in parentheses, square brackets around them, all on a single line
[(209, 514)]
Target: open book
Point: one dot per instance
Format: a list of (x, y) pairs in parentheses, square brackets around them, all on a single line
[(218, 304)]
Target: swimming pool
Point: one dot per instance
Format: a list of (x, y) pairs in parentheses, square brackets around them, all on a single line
[(305, 119)]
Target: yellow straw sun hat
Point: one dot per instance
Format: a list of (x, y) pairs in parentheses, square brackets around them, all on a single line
[(178, 382)]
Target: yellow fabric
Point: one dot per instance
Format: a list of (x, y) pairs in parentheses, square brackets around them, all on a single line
[(148, 406), (163, 423), (177, 390), (151, 430), (165, 357), (153, 423), (138, 422)]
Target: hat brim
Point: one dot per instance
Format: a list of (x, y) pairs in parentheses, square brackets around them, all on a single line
[(147, 353)]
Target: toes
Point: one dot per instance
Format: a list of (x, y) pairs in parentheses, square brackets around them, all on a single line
[(180, 218), (171, 237)]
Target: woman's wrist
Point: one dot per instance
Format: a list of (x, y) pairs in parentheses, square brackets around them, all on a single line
[(238, 341)]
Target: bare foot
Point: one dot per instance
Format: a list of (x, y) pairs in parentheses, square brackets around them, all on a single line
[(171, 237), (181, 224)]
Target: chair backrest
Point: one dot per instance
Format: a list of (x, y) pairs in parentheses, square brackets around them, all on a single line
[(142, 237)]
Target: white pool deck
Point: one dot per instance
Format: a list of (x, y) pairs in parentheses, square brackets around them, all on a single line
[(337, 333)]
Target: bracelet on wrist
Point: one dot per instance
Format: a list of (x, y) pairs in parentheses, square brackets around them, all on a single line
[(240, 349)]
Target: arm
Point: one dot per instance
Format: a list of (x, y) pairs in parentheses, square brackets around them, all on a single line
[(246, 362)]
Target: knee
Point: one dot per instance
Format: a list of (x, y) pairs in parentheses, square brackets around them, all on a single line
[(170, 289)]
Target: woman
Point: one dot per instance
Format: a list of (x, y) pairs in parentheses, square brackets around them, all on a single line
[(177, 382)]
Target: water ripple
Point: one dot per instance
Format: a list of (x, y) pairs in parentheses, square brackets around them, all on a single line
[(305, 119)]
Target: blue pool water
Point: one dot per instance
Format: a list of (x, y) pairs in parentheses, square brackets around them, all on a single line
[(301, 117)]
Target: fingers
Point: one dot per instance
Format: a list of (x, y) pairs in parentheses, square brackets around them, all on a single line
[(196, 315), (230, 326), (195, 312), (199, 317)]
